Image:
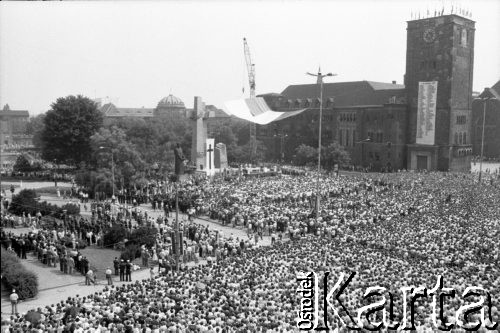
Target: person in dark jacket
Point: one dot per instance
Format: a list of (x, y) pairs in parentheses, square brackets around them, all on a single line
[(128, 271), (116, 265), (122, 270)]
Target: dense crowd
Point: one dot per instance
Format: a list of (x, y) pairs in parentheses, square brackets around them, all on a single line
[(394, 231)]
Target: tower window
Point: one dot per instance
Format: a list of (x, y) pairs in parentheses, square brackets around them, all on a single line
[(465, 138)]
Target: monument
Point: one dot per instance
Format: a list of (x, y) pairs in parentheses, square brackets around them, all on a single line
[(205, 155), (209, 157), (179, 160), (199, 135), (220, 157)]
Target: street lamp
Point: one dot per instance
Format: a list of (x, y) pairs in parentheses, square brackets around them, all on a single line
[(112, 170), (282, 137), (368, 139), (484, 99), (320, 77)]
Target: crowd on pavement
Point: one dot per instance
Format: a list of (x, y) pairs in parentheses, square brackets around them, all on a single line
[(394, 230)]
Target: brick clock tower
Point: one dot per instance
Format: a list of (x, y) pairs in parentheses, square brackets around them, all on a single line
[(438, 81)]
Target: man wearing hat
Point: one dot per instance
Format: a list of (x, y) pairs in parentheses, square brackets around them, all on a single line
[(13, 301)]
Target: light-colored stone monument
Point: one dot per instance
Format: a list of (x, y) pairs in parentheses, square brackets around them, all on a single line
[(220, 158), (198, 149)]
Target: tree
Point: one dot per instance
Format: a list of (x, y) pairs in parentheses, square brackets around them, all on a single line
[(68, 126), (242, 154), (129, 165), (334, 154), (35, 127), (305, 154), (22, 164), (224, 134), (24, 201)]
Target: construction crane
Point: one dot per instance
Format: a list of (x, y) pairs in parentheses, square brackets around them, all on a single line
[(251, 82)]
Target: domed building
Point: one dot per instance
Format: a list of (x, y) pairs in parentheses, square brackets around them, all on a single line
[(170, 106)]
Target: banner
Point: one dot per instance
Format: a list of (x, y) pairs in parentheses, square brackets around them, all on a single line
[(426, 112)]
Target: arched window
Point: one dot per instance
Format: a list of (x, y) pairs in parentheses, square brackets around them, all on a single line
[(465, 138), (456, 138)]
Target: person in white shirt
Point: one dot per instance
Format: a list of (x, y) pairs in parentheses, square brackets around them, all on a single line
[(109, 276), (13, 301)]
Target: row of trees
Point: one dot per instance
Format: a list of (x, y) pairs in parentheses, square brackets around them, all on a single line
[(330, 156), (74, 132)]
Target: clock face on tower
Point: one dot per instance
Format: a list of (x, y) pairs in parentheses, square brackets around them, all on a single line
[(429, 35)]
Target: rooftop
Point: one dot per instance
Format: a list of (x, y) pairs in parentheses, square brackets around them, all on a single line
[(348, 93)]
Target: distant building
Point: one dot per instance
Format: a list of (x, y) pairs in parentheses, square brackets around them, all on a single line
[(13, 128), (13, 137), (491, 123), (169, 106), (383, 124)]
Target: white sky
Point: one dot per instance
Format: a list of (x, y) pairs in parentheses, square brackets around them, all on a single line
[(138, 52)]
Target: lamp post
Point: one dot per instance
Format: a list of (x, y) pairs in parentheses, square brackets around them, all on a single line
[(112, 170), (485, 100), (363, 149), (282, 137), (320, 77)]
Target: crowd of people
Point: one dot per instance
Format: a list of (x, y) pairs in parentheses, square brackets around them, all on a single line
[(396, 230)]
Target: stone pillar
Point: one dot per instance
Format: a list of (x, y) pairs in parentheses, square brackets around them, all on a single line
[(199, 134), (220, 156)]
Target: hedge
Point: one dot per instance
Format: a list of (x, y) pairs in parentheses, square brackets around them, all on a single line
[(27, 201), (116, 234), (17, 277)]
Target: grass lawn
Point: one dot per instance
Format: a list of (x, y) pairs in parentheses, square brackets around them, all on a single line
[(6, 187), (100, 259), (51, 190)]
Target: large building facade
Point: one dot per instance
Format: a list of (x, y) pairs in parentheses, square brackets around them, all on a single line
[(441, 49), (13, 137), (487, 104), (378, 123)]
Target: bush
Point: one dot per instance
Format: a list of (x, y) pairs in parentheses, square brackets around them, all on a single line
[(132, 251), (24, 201), (27, 201), (143, 236), (80, 243), (17, 277), (116, 234), (71, 209)]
